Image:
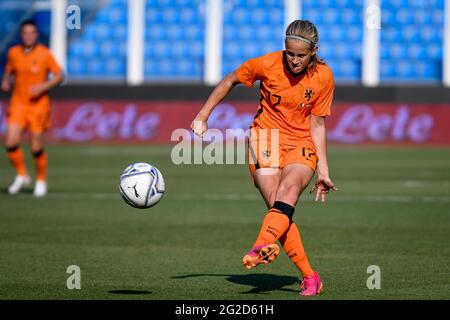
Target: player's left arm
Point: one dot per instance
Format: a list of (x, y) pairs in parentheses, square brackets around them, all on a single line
[(319, 136), (321, 109), (43, 88), (57, 77)]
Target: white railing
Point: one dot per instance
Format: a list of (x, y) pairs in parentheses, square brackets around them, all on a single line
[(58, 34), (136, 41), (446, 52), (371, 43), (213, 41)]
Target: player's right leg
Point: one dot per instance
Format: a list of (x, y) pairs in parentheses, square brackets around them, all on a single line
[(266, 180), (16, 157)]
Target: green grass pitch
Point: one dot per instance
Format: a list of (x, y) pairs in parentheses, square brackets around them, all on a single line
[(392, 210)]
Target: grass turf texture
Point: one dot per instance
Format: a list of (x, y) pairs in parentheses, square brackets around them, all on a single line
[(392, 210)]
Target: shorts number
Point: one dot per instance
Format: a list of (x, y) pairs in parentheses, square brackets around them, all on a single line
[(308, 153)]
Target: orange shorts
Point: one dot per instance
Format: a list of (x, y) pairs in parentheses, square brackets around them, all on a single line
[(34, 119), (265, 150)]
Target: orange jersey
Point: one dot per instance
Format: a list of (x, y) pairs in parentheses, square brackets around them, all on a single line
[(29, 69), (288, 100)]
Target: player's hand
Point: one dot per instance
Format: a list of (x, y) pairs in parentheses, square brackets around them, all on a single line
[(322, 186), (199, 126), (6, 85), (37, 90)]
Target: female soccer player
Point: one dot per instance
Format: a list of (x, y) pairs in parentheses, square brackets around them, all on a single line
[(287, 140), (30, 64)]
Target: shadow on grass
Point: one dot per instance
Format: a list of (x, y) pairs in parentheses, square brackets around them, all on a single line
[(261, 283), (129, 292), (25, 190)]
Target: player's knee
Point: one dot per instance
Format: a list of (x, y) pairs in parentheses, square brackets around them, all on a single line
[(11, 141), (37, 152), (12, 147), (288, 191), (284, 208), (272, 198)]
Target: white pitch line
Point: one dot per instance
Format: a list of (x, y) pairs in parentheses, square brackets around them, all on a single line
[(252, 197)]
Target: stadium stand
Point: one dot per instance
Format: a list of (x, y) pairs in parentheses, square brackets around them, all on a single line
[(411, 40), (174, 40), (251, 28), (100, 52), (411, 48)]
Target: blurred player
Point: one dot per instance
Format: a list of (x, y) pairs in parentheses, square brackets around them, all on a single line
[(29, 64), (296, 95)]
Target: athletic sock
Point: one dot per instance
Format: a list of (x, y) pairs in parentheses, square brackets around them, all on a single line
[(275, 223), (292, 244), (40, 163), (17, 159)]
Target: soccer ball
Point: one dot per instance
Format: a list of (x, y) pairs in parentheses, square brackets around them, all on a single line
[(141, 185)]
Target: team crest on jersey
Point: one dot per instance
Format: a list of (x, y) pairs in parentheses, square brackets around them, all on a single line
[(265, 154), (308, 95)]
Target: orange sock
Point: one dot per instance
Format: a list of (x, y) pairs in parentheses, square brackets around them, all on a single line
[(40, 163), (292, 244), (17, 159), (275, 223)]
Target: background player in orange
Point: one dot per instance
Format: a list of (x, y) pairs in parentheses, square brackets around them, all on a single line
[(287, 140), (29, 65)]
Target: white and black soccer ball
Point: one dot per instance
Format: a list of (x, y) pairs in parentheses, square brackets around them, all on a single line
[(141, 185)]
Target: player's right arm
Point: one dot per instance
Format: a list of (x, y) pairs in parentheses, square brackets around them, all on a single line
[(6, 80), (200, 123)]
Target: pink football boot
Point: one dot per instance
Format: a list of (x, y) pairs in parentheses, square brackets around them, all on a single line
[(311, 285), (260, 254)]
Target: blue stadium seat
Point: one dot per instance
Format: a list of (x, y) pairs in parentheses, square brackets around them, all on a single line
[(114, 67), (95, 67), (233, 50), (417, 51), (108, 48), (435, 52), (194, 32), (390, 34), (260, 16), (170, 15), (196, 49), (398, 51), (162, 48), (156, 31), (154, 16), (410, 33)]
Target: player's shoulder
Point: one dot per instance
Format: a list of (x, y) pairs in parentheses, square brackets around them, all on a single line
[(14, 50), (42, 48), (323, 73), (272, 58)]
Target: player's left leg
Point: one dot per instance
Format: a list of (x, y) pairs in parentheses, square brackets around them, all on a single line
[(40, 163), (291, 240), (294, 179)]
